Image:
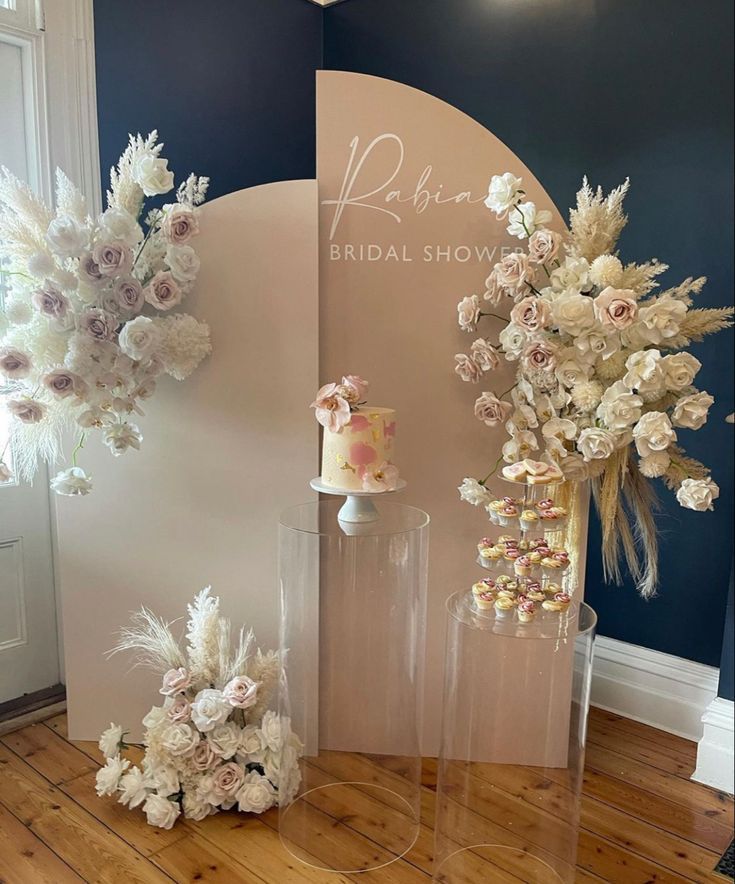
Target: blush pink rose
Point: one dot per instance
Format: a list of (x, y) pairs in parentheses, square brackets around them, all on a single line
[(532, 314), (539, 356), (491, 410), (175, 681), (227, 779), (543, 246), (28, 411), (203, 756), (332, 411), (50, 301), (63, 383), (241, 692), (14, 363), (163, 292), (514, 273), (179, 710), (179, 224), (616, 308)]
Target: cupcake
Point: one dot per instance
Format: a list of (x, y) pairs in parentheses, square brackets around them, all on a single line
[(549, 519), (534, 592), (563, 599), (485, 543), (504, 580), (508, 514), (510, 555), (495, 553), (484, 601), (526, 611), (529, 520), (487, 584), (522, 566), (507, 539), (486, 559), (535, 557), (551, 565), (552, 604), (503, 607), (493, 508), (552, 588), (546, 504), (562, 557), (506, 592)]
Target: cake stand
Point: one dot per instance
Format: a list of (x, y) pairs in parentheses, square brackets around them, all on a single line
[(359, 506)]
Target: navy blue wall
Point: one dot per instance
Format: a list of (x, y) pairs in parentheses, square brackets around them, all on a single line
[(229, 84), (609, 88)]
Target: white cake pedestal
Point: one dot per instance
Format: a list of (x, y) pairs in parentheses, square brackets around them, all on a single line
[(358, 508)]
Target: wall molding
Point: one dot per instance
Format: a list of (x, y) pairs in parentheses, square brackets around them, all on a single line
[(716, 754), (657, 689)]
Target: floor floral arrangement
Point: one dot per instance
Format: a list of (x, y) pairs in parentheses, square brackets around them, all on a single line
[(605, 384), (214, 743), (88, 322)]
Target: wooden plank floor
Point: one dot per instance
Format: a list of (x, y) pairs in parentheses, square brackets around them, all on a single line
[(643, 820)]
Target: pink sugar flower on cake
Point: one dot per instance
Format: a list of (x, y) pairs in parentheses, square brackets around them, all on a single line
[(384, 478), (332, 410)]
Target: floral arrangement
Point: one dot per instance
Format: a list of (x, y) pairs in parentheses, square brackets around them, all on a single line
[(214, 743), (604, 382), (335, 403), (88, 320)]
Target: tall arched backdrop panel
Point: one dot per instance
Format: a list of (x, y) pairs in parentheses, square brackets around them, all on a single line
[(222, 454), (404, 235)]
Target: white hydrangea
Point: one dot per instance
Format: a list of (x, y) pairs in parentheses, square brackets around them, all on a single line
[(606, 270), (185, 343)]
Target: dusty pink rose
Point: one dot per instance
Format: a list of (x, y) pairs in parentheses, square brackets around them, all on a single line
[(227, 779), (467, 368), (129, 294), (332, 411), (14, 363), (484, 355), (113, 258), (163, 291), (28, 411), (179, 710), (539, 356), (241, 692), (5, 474), (63, 383), (203, 756), (98, 324), (175, 681), (50, 301), (179, 224), (384, 478), (532, 314), (89, 269), (491, 410), (493, 290), (514, 273), (616, 308), (543, 246)]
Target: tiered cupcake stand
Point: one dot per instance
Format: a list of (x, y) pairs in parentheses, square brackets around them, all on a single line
[(517, 677)]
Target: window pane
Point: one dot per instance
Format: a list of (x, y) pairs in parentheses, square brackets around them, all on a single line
[(13, 150)]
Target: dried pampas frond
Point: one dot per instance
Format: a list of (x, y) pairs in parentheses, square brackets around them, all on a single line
[(152, 638), (203, 636), (641, 278), (682, 467), (683, 292), (606, 491), (69, 199), (597, 221), (642, 504), (239, 660), (266, 670), (699, 323)]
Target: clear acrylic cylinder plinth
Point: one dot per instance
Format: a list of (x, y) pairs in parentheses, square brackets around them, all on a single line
[(353, 599), (516, 702)]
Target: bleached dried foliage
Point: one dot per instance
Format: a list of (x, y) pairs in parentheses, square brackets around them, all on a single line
[(203, 636), (597, 221), (125, 192), (702, 322), (152, 640), (641, 278)]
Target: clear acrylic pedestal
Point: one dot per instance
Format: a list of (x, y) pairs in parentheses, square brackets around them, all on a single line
[(353, 600), (516, 702)]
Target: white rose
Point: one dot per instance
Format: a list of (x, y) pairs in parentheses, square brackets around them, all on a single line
[(256, 794), (525, 218), (225, 739), (110, 740), (573, 276), (679, 370), (153, 718), (209, 709), (271, 728), (71, 482), (691, 412), (653, 432), (152, 174), (120, 225), (66, 237), (596, 444), (108, 777), (698, 494), (573, 313), (645, 373), (468, 313), (184, 263), (466, 368), (165, 780), (140, 338), (195, 808), (133, 790), (503, 193), (575, 468), (252, 743), (473, 492), (512, 339), (161, 812), (619, 408), (179, 739), (571, 368), (662, 319), (654, 465)]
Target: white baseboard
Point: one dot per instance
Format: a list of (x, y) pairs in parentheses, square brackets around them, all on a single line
[(716, 754), (666, 692)]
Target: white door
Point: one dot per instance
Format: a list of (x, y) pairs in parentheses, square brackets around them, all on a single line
[(29, 653)]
